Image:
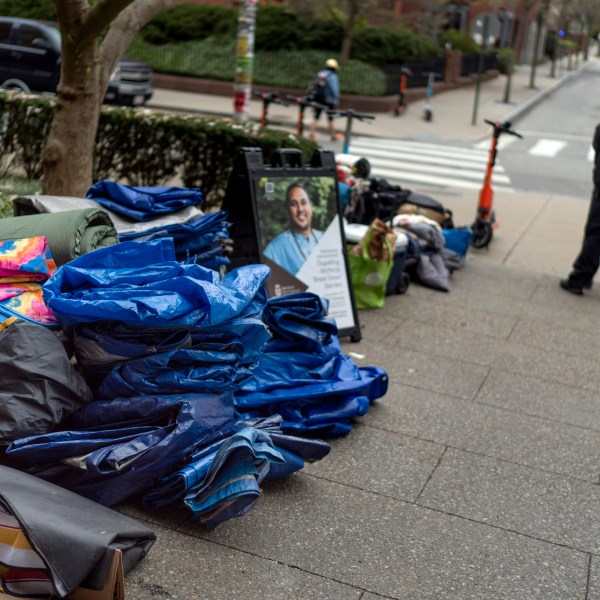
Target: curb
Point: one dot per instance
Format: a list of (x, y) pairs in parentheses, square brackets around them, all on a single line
[(520, 111)]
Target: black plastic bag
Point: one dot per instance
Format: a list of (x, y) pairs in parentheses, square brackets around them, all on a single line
[(39, 388)]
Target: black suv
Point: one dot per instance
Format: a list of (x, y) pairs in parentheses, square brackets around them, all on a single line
[(30, 61)]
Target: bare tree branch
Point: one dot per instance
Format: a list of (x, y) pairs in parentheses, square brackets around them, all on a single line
[(125, 27)]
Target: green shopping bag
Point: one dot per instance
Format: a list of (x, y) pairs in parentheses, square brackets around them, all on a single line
[(369, 277)]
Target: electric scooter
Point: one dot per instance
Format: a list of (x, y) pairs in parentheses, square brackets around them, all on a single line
[(267, 99), (427, 110), (350, 116), (402, 105), (303, 102), (485, 220)]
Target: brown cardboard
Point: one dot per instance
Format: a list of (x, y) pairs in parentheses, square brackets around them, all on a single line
[(114, 588)]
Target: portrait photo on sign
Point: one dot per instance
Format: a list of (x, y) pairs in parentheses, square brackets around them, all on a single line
[(294, 214), (301, 239)]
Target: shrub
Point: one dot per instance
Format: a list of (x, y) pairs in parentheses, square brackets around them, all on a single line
[(380, 45), (460, 40), (505, 57), (191, 22), (142, 147), (30, 9)]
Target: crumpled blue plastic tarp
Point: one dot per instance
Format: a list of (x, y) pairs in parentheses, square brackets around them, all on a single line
[(204, 367), (232, 468), (302, 373), (195, 234), (199, 240), (143, 203), (106, 346), (141, 284), (118, 448), (228, 472)]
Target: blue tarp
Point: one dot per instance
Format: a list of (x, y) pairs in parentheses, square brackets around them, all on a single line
[(202, 240), (118, 448), (231, 469), (143, 203), (302, 373), (141, 284)]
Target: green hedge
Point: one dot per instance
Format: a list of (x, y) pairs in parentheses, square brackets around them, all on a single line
[(191, 22), (460, 40), (31, 9), (381, 45), (278, 29), (141, 147)]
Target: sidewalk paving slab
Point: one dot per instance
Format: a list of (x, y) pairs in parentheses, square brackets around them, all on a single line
[(477, 476)]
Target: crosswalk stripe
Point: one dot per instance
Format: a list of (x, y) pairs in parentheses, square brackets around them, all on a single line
[(404, 177), (410, 163), (402, 157), (425, 168), (423, 149), (548, 148), (503, 142)]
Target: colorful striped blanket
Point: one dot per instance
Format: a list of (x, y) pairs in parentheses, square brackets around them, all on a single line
[(25, 265)]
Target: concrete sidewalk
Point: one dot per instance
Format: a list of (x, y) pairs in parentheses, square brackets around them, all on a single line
[(477, 476), (453, 109)]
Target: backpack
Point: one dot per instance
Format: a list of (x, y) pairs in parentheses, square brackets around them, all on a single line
[(317, 90)]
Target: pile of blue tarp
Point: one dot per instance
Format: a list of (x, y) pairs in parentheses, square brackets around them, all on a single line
[(303, 375), (202, 240), (164, 346)]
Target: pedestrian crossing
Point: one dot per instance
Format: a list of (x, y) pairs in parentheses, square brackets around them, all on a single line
[(412, 163), (541, 146)]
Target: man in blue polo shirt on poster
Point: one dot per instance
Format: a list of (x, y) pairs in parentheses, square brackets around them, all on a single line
[(292, 247)]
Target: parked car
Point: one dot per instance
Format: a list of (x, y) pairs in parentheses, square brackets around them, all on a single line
[(30, 61)]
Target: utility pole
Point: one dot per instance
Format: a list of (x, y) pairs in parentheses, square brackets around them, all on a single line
[(515, 59), (242, 86), (538, 37), (480, 68), (557, 37)]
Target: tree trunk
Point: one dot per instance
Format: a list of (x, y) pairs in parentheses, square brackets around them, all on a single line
[(69, 150), (94, 35), (346, 47)]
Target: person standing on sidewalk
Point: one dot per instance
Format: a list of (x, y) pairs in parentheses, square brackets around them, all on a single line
[(586, 264), (325, 90)]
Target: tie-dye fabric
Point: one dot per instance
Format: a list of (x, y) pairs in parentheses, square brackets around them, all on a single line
[(24, 267)]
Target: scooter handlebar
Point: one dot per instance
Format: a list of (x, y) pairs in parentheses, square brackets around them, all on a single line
[(351, 113), (304, 101), (270, 97), (503, 127)]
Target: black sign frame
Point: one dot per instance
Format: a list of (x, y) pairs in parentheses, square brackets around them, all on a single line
[(245, 202)]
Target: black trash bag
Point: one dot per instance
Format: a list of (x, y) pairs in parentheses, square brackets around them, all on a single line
[(39, 388), (75, 537)]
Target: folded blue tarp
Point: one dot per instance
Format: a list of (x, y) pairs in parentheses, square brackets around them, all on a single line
[(203, 368), (141, 284), (226, 473), (201, 240), (142, 203), (116, 449), (302, 373), (232, 468)]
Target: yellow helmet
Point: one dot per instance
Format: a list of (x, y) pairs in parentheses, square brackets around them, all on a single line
[(331, 63)]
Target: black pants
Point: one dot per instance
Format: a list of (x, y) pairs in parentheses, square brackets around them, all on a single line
[(586, 264)]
